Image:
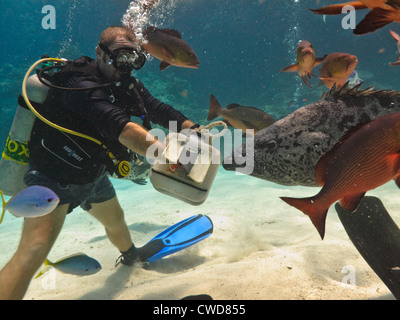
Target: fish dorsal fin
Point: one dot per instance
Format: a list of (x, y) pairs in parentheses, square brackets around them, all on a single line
[(236, 105), (148, 31), (78, 254), (347, 91), (171, 32), (164, 65)]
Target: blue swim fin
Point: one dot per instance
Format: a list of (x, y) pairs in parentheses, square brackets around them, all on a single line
[(177, 237)]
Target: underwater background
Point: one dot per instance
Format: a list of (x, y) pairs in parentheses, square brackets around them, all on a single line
[(241, 45)]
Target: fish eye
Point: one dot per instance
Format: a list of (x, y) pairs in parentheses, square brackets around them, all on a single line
[(272, 144), (49, 200)]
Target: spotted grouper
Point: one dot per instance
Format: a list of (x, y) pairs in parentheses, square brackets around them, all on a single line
[(363, 160), (287, 152)]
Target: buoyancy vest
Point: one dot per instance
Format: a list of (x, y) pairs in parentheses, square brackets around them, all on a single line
[(70, 159)]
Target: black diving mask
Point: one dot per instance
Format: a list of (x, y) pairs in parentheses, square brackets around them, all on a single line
[(125, 59)]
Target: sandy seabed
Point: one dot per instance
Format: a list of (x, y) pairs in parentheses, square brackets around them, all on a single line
[(261, 249)]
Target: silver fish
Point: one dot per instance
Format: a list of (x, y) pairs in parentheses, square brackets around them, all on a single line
[(288, 151), (240, 117), (31, 202), (78, 264)]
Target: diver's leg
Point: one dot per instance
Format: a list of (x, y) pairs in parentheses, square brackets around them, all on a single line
[(38, 237), (111, 215)]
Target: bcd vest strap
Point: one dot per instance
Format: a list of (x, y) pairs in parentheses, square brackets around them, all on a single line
[(22, 103)]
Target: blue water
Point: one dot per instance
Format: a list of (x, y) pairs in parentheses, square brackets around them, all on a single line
[(241, 45)]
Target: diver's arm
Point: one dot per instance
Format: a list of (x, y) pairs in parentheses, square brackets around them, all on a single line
[(139, 140), (187, 124), (162, 113)]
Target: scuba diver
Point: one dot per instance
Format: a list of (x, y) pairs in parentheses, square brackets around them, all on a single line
[(76, 168)]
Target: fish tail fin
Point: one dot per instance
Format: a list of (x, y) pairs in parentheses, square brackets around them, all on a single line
[(214, 108), (374, 20), (395, 35), (4, 203), (305, 80), (41, 273), (308, 206), (337, 8), (47, 265), (291, 68)]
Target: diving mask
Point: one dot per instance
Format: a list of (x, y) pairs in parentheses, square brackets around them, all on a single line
[(125, 59)]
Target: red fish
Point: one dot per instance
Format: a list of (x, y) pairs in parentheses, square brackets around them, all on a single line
[(337, 68), (382, 12), (168, 46), (306, 61), (396, 37), (363, 160)]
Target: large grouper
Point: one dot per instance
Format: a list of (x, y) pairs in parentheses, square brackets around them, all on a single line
[(287, 152)]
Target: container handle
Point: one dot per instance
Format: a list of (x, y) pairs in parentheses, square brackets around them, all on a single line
[(211, 125)]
